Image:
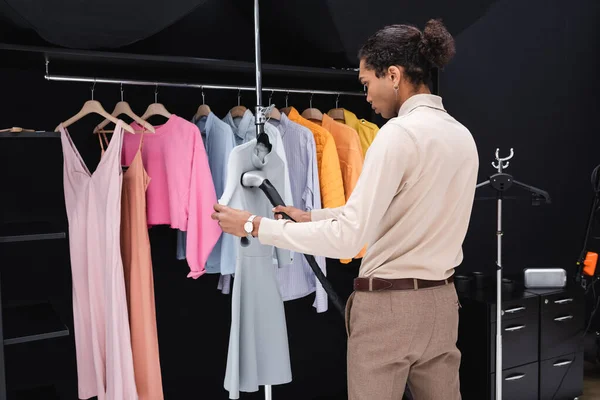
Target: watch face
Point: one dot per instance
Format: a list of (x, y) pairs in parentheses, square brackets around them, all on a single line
[(248, 227)]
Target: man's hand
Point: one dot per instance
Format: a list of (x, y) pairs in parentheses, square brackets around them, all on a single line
[(231, 220), (296, 214)]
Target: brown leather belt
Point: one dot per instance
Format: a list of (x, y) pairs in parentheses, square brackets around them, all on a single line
[(379, 284)]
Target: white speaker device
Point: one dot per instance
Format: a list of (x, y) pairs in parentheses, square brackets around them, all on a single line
[(545, 278)]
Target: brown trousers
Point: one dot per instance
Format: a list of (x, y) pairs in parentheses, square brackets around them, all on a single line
[(400, 336)]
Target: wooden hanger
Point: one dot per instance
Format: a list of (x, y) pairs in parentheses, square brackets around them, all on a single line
[(121, 108), (203, 110), (337, 113), (93, 106), (274, 114), (239, 110), (286, 110), (17, 129), (156, 108), (312, 113)]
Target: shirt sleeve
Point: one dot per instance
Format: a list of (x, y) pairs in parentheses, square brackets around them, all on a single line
[(312, 192), (390, 161), (325, 213), (330, 176), (202, 231)]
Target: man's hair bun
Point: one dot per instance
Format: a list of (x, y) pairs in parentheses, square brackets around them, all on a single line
[(437, 44)]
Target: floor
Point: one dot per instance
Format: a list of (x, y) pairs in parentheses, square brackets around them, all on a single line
[(591, 382)]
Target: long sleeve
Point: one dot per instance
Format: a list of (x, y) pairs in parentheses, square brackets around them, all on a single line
[(390, 161), (312, 199), (312, 192), (202, 231), (280, 150), (325, 213), (330, 176)]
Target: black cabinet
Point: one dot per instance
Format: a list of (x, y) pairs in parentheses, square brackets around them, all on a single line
[(541, 339), (561, 378), (519, 383), (519, 342), (562, 322)]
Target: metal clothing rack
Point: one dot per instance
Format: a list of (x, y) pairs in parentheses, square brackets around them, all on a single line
[(133, 82)]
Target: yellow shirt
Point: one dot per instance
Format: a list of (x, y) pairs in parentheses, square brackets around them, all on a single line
[(366, 130)]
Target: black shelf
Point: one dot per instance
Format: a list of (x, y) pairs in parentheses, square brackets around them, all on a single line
[(29, 135), (29, 323), (30, 231)]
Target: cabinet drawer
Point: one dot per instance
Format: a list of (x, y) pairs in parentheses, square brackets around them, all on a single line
[(562, 302), (520, 383), (517, 308), (519, 342), (566, 369), (561, 332)]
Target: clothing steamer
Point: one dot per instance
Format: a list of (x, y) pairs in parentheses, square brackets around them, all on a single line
[(255, 179), (501, 182)]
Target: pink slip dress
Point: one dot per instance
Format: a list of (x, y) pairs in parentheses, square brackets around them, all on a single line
[(102, 335)]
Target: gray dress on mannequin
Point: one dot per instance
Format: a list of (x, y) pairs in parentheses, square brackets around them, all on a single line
[(258, 345)]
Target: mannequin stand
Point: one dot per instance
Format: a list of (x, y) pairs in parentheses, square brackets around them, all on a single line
[(501, 182)]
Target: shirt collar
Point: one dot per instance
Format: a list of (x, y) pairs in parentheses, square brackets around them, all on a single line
[(241, 129), (350, 119), (293, 115), (420, 100), (208, 123), (284, 123), (327, 122)]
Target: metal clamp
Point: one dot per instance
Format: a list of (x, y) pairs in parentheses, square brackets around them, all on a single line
[(261, 114)]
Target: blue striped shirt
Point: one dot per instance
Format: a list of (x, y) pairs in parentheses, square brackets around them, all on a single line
[(298, 280)]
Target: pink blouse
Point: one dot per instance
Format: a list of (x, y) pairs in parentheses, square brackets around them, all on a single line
[(181, 192)]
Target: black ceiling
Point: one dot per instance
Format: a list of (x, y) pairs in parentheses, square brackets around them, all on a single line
[(324, 33)]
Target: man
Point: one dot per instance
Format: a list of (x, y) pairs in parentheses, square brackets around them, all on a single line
[(412, 206)]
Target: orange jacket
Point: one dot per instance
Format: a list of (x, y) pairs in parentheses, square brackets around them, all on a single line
[(350, 154), (330, 175), (366, 130)]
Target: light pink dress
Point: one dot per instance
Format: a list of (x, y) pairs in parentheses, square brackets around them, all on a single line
[(102, 337)]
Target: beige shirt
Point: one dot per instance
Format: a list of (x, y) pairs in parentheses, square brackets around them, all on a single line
[(411, 204)]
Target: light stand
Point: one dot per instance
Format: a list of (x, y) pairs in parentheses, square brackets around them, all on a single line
[(501, 182)]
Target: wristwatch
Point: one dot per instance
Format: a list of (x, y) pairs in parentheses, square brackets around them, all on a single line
[(249, 226)]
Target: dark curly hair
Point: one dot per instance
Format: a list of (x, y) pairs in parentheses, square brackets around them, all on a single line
[(405, 45)]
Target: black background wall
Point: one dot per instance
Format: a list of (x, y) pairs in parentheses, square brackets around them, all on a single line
[(525, 76)]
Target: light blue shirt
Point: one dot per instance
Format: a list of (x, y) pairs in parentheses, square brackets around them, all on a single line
[(299, 280), (244, 130), (218, 141)]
